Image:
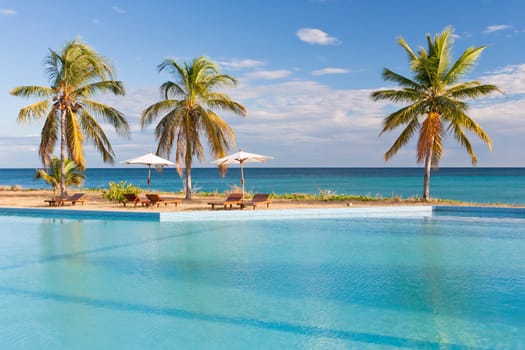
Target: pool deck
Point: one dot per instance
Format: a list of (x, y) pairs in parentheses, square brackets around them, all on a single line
[(236, 215)]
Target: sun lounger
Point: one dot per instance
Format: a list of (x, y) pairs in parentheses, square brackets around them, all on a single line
[(135, 199), (58, 201), (233, 199), (156, 199), (55, 202), (75, 198), (258, 199)]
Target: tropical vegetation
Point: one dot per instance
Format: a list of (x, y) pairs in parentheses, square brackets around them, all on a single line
[(116, 190), (189, 111), (70, 115), (435, 98), (52, 176)]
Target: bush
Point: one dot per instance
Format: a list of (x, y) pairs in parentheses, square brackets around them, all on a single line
[(115, 191)]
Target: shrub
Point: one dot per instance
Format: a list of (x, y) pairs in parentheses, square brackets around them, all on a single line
[(115, 191)]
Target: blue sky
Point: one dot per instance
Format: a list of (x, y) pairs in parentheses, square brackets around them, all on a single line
[(305, 68)]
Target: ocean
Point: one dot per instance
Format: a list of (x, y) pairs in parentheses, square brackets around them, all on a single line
[(483, 185)]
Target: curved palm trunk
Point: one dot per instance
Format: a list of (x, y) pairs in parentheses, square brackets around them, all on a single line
[(63, 154), (426, 180)]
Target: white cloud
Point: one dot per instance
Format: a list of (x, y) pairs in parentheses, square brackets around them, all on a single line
[(497, 28), (238, 64), (304, 123), (316, 36), (268, 74), (7, 12), (329, 70), (510, 79), (119, 10)]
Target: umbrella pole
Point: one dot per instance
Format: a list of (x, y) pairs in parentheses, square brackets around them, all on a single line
[(242, 182), (149, 175)]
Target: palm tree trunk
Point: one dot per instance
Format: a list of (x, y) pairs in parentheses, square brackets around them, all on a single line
[(188, 181), (63, 154), (188, 171), (426, 180)]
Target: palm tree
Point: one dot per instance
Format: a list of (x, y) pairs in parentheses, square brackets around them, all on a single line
[(436, 101), (53, 175), (189, 110), (76, 73)]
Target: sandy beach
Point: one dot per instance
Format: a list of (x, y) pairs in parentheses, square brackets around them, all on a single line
[(95, 201)]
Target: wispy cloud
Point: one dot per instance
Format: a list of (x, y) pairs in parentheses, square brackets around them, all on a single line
[(510, 79), (298, 121), (95, 21), (268, 74), (329, 70), (119, 10), (7, 12), (316, 36), (238, 64), (497, 28)]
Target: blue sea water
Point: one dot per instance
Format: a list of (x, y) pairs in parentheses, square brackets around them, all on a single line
[(483, 185)]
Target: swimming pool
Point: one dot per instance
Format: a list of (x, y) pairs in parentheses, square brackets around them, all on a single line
[(369, 283)]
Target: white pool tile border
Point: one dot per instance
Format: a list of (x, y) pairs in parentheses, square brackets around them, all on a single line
[(272, 214), (236, 215)]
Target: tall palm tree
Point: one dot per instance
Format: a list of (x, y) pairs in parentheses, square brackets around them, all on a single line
[(436, 101), (189, 110), (52, 175), (76, 73)]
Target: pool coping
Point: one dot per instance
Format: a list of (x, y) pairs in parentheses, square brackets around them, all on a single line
[(284, 214)]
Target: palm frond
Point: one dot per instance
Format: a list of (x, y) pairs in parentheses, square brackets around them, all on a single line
[(462, 139), (411, 55), (171, 90), (463, 64), (463, 91), (403, 138), (220, 135), (441, 51), (36, 110), (403, 116), (449, 108), (396, 96), (108, 114), (159, 108), (50, 180), (389, 75), (221, 80), (74, 139), (166, 130), (469, 124), (54, 68), (49, 137), (113, 86), (96, 135), (216, 100), (32, 91)]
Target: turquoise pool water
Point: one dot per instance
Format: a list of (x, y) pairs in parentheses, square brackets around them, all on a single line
[(374, 283)]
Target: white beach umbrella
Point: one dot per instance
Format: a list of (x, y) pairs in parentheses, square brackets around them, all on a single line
[(149, 160), (241, 157)]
